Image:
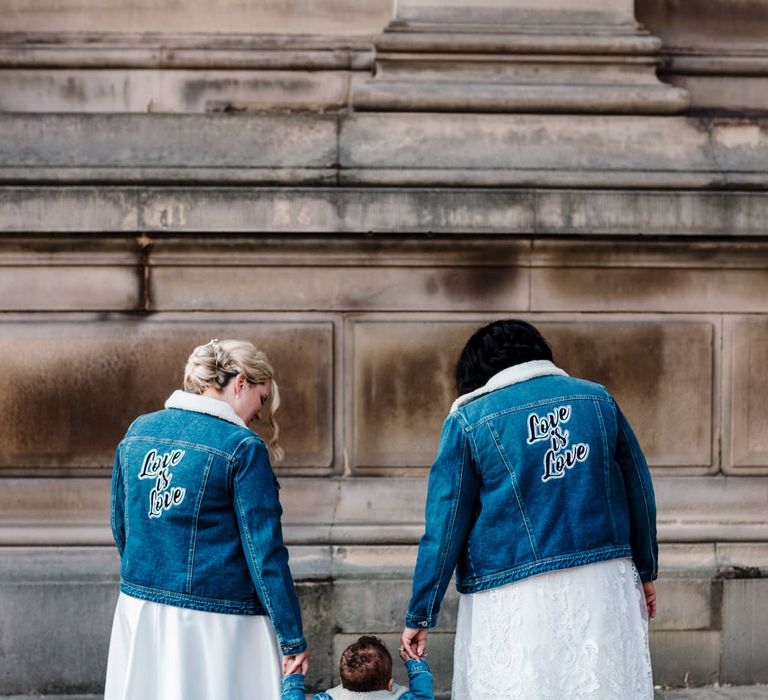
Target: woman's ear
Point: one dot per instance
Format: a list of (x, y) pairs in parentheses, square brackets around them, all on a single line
[(240, 382)]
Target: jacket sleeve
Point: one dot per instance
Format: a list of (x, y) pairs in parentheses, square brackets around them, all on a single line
[(420, 680), (117, 510), (641, 500), (451, 495), (258, 511), (292, 687)]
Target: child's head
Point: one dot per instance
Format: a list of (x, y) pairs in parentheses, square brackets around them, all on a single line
[(366, 665)]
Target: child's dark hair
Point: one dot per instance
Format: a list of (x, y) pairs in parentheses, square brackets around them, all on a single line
[(495, 347), (365, 665)]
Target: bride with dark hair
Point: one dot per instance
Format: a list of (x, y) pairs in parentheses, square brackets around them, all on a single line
[(541, 499)]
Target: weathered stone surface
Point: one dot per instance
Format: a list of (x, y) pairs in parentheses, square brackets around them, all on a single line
[(140, 90), (745, 630), (745, 409), (402, 383), (48, 598), (668, 402), (685, 657), (334, 17), (684, 604), (401, 389), (339, 289), (142, 361), (590, 289), (73, 288), (743, 554), (80, 209), (363, 604), (166, 141)]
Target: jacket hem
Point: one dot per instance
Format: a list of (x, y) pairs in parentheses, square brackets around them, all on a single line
[(542, 566), (184, 600)]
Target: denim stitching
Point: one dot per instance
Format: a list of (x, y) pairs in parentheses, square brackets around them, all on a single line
[(246, 530), (193, 535), (536, 404), (606, 468), (526, 521), (431, 604), (183, 443), (544, 565), (645, 498), (161, 595)]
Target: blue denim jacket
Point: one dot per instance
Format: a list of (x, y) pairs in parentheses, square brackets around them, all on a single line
[(536, 471), (196, 516), (420, 682)]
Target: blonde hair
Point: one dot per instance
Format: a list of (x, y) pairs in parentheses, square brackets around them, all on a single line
[(218, 361)]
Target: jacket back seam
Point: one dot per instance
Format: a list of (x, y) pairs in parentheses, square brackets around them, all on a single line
[(193, 534), (518, 498)]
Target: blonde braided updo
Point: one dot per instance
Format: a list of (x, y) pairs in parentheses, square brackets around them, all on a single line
[(216, 363)]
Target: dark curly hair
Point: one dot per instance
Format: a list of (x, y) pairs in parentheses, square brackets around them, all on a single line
[(496, 346), (365, 665)]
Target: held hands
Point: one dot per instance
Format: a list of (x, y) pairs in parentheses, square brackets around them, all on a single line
[(413, 644), (649, 590), (298, 663)]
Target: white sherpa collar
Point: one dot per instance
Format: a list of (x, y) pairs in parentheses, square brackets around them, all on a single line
[(511, 375), (203, 404), (341, 693)]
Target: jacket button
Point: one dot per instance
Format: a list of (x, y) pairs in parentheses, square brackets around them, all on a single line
[(423, 624), (286, 649)]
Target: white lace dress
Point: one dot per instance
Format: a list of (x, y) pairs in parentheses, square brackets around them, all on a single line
[(574, 634)]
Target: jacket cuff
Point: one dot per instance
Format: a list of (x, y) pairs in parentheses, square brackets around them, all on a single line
[(647, 575), (291, 647), (294, 681), (414, 666), (419, 622)]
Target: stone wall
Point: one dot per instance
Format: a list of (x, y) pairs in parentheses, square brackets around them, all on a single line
[(283, 195)]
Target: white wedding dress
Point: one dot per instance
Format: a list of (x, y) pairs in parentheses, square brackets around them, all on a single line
[(163, 652), (573, 634)]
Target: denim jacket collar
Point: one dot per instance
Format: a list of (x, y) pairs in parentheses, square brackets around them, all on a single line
[(187, 401), (511, 375), (341, 693)]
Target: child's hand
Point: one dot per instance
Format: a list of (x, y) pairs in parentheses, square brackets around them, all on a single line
[(402, 653)]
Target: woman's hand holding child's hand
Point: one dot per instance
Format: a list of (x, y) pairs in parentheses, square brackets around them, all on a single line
[(298, 663)]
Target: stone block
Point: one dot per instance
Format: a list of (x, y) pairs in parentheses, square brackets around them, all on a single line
[(166, 141), (634, 213), (745, 631), (71, 288), (163, 90), (647, 289), (686, 559), (684, 604), (340, 289), (382, 605), (316, 600), (745, 409), (743, 555), (343, 210), (76, 209), (109, 372), (401, 388), (324, 17), (685, 657), (411, 141), (57, 607), (668, 402), (439, 647)]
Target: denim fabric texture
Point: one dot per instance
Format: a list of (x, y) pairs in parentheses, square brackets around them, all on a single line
[(535, 472), (196, 516), (420, 682)]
